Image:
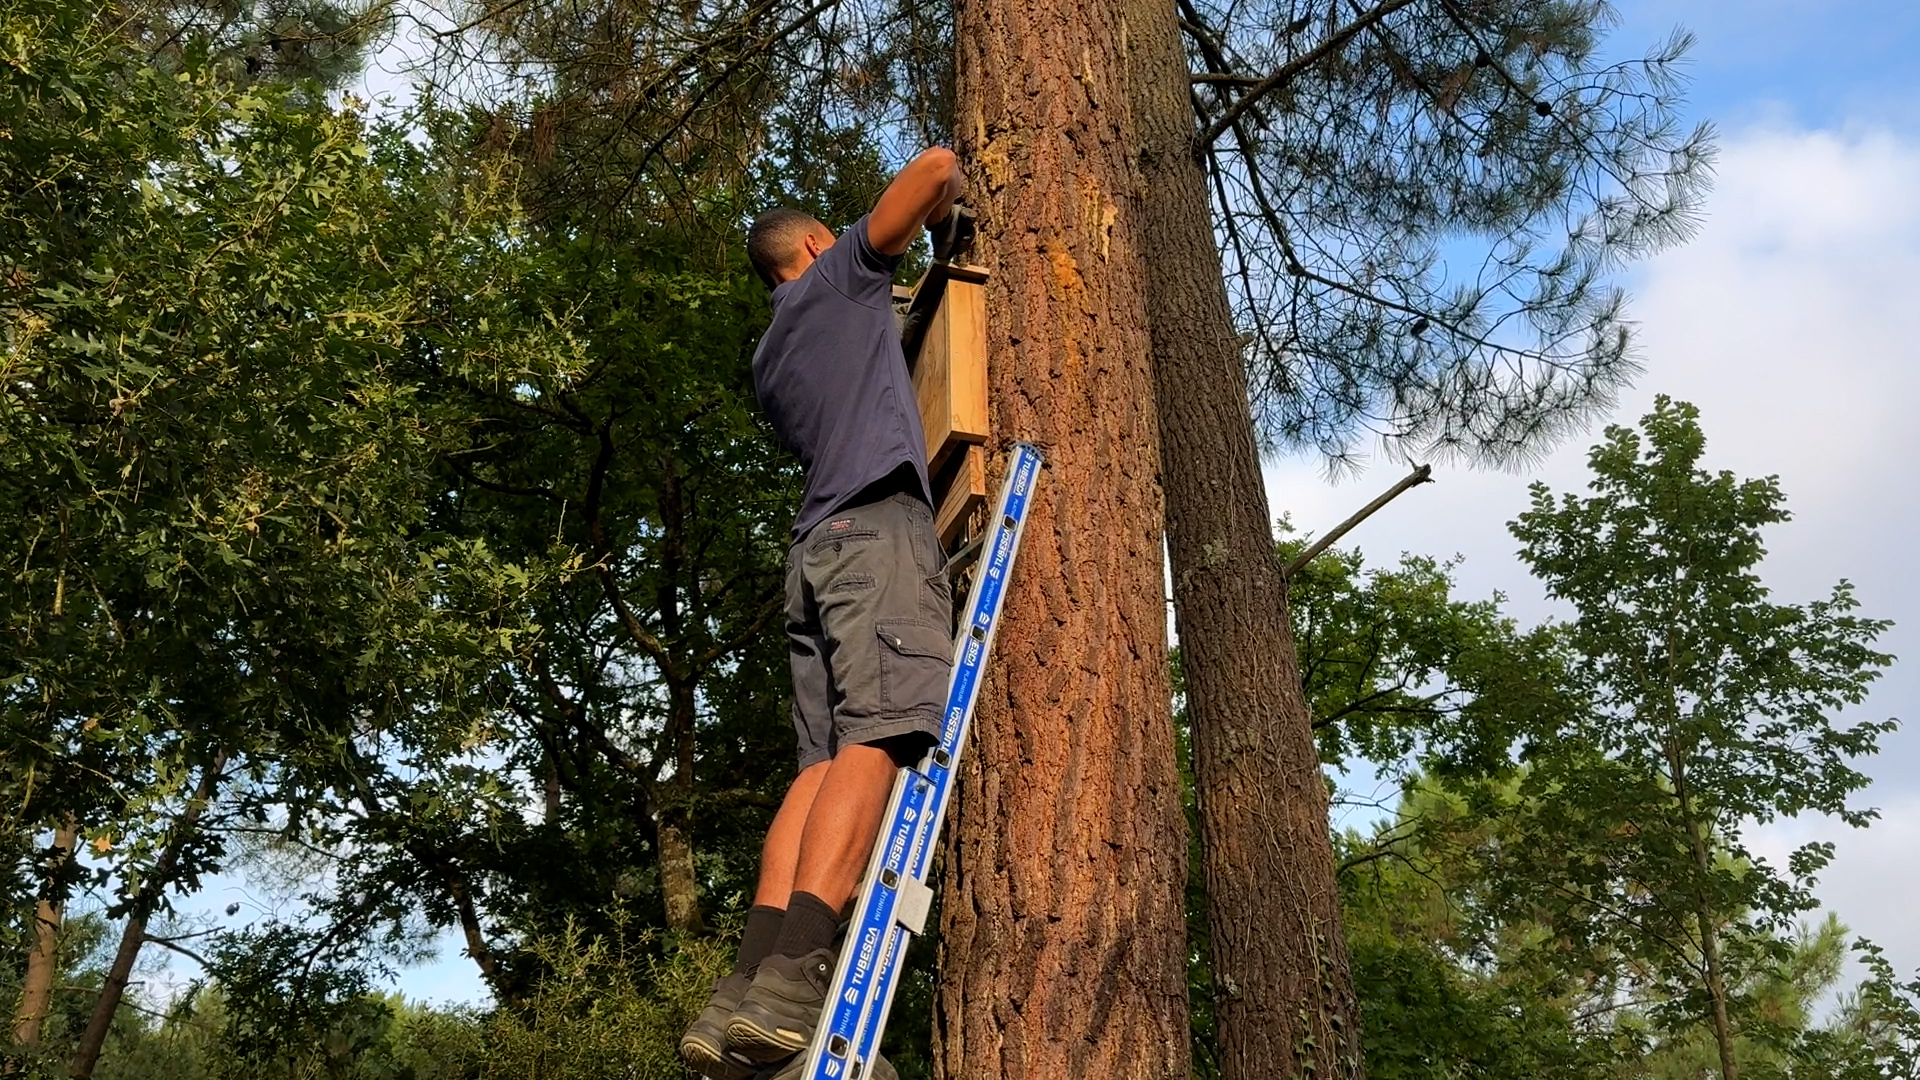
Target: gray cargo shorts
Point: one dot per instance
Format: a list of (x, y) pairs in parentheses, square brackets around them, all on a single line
[(869, 627)]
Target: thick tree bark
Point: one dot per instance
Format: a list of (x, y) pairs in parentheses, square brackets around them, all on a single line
[(43, 958), (134, 934), (1284, 1000), (1062, 941)]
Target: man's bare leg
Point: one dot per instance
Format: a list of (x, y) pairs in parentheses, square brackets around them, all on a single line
[(704, 1046), (777, 1016), (780, 854), (841, 827)]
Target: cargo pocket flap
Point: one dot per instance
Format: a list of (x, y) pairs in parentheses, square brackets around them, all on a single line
[(915, 661), (916, 639)]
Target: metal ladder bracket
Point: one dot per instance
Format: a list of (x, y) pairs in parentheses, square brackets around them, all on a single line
[(916, 899)]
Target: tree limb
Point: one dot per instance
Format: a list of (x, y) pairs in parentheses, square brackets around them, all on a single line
[(767, 611), (174, 945), (1420, 475)]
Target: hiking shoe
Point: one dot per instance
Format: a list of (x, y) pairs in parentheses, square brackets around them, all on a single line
[(704, 1046), (777, 1015), (882, 1070)]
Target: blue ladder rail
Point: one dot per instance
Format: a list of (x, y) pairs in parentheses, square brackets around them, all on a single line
[(894, 901)]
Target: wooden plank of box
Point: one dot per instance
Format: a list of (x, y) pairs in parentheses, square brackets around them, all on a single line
[(960, 489), (950, 379)]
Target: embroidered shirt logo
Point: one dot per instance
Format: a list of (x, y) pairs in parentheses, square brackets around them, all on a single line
[(840, 526)]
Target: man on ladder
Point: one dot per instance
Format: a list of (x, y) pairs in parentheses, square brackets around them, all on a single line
[(868, 607)]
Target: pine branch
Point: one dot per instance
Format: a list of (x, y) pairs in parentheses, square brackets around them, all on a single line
[(1296, 67)]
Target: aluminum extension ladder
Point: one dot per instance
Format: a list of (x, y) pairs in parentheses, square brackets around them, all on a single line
[(894, 901)]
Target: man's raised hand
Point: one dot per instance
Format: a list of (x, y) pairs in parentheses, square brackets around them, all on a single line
[(923, 191), (953, 236)]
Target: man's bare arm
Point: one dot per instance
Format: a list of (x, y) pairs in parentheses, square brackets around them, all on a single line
[(923, 192)]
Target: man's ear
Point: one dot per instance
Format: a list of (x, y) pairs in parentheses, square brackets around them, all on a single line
[(814, 243)]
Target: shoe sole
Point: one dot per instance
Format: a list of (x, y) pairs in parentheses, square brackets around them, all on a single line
[(755, 1042), (710, 1059)]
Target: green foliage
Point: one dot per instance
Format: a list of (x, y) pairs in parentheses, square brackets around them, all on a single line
[(305, 45), (1707, 708), (1395, 667), (379, 1037), (1419, 231), (1456, 982), (1566, 878), (217, 461), (227, 317), (1685, 657), (657, 687), (610, 1006), (1533, 905), (1877, 1033), (1444, 991)]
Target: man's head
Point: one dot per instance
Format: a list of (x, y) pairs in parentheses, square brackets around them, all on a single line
[(782, 243)]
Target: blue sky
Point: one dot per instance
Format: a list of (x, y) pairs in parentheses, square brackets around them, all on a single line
[(1824, 63), (1785, 320)]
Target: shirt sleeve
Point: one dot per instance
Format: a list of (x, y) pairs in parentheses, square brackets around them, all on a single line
[(858, 270)]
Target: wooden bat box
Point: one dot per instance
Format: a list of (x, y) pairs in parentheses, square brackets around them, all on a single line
[(950, 383), (950, 377)]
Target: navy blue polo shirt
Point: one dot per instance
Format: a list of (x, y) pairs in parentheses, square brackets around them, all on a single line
[(832, 379)]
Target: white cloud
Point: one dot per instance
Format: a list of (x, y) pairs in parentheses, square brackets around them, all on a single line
[(1790, 321)]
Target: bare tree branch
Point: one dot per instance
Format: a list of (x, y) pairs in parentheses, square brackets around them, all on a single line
[(1421, 475)]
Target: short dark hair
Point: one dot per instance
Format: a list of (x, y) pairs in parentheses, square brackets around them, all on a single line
[(774, 235)]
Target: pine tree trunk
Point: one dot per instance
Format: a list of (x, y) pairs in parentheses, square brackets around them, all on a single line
[(43, 958), (1284, 1005), (134, 934), (1062, 938)]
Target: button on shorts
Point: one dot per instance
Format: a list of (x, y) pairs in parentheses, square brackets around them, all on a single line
[(870, 629)]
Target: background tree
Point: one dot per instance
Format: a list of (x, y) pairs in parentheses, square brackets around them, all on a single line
[(216, 471), (1712, 707), (1283, 998), (1454, 980), (1323, 160), (1460, 906)]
